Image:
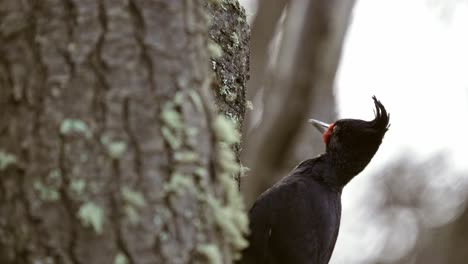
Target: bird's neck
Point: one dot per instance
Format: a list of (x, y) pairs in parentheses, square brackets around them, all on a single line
[(343, 168)]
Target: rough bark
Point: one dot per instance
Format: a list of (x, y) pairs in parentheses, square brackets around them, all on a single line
[(110, 148), (231, 32)]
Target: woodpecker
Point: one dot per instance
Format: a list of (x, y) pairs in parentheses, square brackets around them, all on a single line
[(297, 220)]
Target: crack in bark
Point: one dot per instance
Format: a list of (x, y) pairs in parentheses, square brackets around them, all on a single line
[(71, 13), (3, 189), (98, 66), (67, 203), (139, 29), (158, 242), (8, 79), (38, 105), (68, 60), (102, 15), (71, 21), (15, 229), (116, 216), (27, 205), (134, 143), (176, 229), (101, 87)]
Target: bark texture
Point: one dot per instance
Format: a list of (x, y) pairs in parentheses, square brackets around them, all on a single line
[(230, 31), (110, 148)]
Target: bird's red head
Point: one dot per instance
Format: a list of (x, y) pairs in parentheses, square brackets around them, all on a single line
[(327, 134)]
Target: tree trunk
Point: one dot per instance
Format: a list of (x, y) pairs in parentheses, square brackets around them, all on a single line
[(110, 148)]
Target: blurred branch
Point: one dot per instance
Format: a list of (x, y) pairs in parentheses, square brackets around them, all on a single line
[(308, 60), (263, 30), (421, 213)]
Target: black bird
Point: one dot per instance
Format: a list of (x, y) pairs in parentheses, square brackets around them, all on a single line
[(297, 220)]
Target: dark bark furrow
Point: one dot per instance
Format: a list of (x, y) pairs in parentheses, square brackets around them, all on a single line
[(70, 11), (98, 67), (68, 204), (71, 14), (23, 198), (35, 97), (139, 31), (6, 79), (68, 61), (133, 143), (101, 86), (116, 214)]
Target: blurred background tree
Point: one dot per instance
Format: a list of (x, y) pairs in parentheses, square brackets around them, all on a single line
[(408, 206), (292, 84)]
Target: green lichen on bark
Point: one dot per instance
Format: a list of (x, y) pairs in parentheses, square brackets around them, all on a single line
[(228, 212), (115, 148), (215, 50), (92, 215), (70, 125), (171, 117), (133, 197), (120, 258), (134, 201), (6, 159), (186, 156), (46, 193), (172, 139), (173, 124), (77, 187), (178, 184), (48, 188), (226, 130), (211, 252)]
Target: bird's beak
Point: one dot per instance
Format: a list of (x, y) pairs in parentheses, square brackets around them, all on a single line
[(319, 125)]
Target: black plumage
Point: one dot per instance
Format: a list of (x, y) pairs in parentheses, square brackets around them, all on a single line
[(297, 220)]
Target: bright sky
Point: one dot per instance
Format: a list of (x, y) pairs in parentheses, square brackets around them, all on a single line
[(416, 63), (415, 60)]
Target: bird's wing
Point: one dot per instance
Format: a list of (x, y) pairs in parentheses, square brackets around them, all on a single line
[(306, 226), (279, 224), (294, 221), (260, 217)]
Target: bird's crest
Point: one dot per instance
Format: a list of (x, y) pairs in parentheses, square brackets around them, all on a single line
[(382, 118)]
